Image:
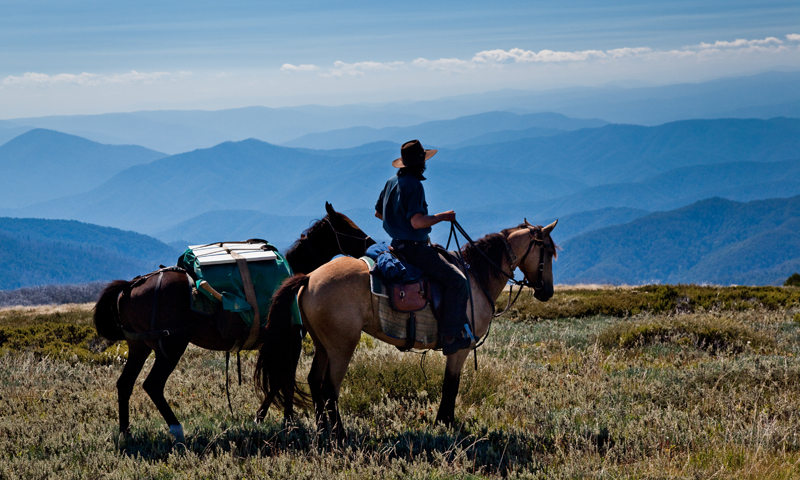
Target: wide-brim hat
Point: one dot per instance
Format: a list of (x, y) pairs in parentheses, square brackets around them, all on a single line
[(412, 153)]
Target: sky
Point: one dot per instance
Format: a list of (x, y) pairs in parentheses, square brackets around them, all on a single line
[(83, 57)]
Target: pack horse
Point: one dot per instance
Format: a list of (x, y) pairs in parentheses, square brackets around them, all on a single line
[(153, 313)]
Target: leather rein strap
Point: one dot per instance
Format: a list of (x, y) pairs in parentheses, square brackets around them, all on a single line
[(535, 240)]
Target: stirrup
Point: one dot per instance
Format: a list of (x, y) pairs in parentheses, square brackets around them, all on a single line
[(472, 340)]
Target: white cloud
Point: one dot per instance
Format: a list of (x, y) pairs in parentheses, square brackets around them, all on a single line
[(443, 64), (288, 67), (358, 69), (87, 79), (740, 42), (518, 55), (499, 57)]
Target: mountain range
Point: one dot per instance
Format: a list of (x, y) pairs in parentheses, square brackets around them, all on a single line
[(41, 165), (624, 166), (43, 252), (714, 241), (483, 128), (494, 167), (765, 95)]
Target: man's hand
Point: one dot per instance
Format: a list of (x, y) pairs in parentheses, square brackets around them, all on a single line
[(448, 216), (379, 215), (424, 221)]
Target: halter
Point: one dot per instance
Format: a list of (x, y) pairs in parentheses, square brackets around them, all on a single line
[(337, 234), (536, 239), (455, 226)]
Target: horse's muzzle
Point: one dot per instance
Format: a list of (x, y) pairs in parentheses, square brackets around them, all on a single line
[(543, 294)]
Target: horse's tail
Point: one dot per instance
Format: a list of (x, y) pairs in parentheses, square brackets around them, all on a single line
[(106, 315), (277, 362)]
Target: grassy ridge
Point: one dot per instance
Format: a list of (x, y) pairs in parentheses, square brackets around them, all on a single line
[(696, 388), (623, 302)]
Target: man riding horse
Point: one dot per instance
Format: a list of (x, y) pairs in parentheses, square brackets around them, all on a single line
[(402, 207)]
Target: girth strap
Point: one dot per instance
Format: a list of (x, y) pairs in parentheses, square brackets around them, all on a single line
[(250, 295)]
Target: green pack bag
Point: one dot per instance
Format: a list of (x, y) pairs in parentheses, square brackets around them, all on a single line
[(214, 264)]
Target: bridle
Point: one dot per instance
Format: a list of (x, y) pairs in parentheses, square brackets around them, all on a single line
[(536, 235), (538, 285), (536, 239), (337, 234)]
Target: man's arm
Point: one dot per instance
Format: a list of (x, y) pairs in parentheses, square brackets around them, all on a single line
[(379, 215), (424, 221)]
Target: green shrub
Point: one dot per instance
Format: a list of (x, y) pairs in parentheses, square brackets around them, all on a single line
[(58, 341), (704, 332), (623, 302), (793, 281)]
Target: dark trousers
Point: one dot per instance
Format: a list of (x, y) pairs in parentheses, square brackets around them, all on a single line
[(456, 293)]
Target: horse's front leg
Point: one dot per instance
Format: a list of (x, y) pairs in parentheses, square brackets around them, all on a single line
[(452, 378), (167, 357)]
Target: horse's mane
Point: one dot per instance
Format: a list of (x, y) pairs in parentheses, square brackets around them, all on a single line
[(494, 246), (508, 231), (310, 231)]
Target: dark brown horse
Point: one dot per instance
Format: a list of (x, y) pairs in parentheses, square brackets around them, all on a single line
[(159, 318), (336, 306)]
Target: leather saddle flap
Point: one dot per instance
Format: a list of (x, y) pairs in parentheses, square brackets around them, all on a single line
[(408, 297)]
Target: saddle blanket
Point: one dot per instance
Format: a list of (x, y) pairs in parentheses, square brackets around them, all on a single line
[(215, 264), (394, 323)]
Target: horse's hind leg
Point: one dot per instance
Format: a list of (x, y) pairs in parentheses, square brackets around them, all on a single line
[(337, 368), (137, 355), (157, 379), (316, 378)]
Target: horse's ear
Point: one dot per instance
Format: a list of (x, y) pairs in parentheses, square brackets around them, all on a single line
[(526, 222), (546, 230), (329, 209)]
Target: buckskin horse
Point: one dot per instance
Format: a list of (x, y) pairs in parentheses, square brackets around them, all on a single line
[(162, 317), (336, 306)]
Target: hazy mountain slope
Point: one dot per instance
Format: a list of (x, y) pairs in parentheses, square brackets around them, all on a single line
[(788, 109), (10, 132), (132, 129), (42, 164), (253, 175), (640, 105), (39, 252), (175, 131), (741, 181), (626, 153), (222, 225), (507, 136), (714, 240), (442, 133)]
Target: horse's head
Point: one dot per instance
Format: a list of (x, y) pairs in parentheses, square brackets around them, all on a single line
[(534, 251), (348, 238)]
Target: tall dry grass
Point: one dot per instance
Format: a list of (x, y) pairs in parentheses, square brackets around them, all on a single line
[(680, 392)]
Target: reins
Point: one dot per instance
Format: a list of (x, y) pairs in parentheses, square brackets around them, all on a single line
[(455, 228), (336, 234)]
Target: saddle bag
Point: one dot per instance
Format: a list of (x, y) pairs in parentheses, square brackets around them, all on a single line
[(408, 297)]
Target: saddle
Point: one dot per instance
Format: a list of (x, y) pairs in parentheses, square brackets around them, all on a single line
[(409, 310)]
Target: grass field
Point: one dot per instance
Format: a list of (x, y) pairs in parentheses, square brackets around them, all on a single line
[(649, 382)]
